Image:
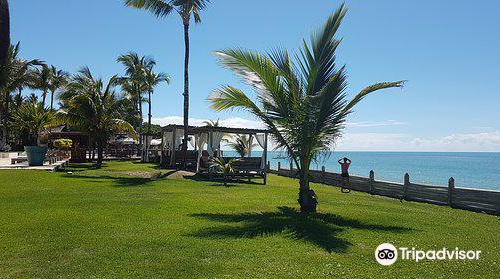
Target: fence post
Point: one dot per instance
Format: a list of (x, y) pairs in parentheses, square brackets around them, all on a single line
[(268, 167), (372, 179), (279, 166), (323, 174), (406, 185), (291, 169), (451, 186)]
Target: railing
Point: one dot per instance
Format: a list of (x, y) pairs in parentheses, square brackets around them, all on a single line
[(487, 201)]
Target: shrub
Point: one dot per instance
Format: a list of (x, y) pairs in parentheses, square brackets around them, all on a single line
[(63, 143)]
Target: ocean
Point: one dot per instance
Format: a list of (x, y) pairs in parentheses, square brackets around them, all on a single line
[(480, 170)]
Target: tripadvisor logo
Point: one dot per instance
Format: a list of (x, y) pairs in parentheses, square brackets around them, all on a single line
[(387, 254)]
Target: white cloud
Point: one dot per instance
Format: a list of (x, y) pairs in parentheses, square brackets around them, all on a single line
[(365, 124), (469, 142), (461, 142)]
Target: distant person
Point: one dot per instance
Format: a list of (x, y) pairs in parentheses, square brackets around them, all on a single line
[(344, 167), (181, 145)]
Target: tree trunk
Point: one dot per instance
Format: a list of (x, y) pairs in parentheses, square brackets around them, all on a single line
[(51, 100), (140, 125), (44, 97), (100, 151), (149, 114), (4, 30), (307, 197), (5, 118), (186, 93)]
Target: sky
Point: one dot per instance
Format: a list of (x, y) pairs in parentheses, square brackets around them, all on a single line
[(447, 50)]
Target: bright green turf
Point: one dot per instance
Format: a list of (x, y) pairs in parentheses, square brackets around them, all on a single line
[(107, 224)]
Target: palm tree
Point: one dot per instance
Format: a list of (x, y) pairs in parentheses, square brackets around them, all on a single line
[(241, 144), (225, 167), (185, 8), (91, 105), (14, 74), (57, 80), (152, 80), (31, 119), (211, 123), (135, 83), (42, 81), (303, 103), (4, 30)]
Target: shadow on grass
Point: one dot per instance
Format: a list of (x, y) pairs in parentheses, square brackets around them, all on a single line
[(117, 181), (320, 229), (218, 181), (154, 167)]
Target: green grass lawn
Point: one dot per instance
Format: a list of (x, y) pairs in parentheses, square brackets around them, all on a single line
[(118, 223)]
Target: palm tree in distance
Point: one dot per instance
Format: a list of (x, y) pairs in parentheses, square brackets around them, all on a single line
[(211, 123), (242, 144), (186, 9), (152, 80), (302, 103), (93, 106), (135, 83), (42, 81), (58, 79)]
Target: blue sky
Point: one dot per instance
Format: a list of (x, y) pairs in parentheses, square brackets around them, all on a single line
[(447, 50)]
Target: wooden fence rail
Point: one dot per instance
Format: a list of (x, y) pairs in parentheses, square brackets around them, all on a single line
[(487, 201)]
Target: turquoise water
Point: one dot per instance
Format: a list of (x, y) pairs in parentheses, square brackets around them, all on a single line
[(469, 169)]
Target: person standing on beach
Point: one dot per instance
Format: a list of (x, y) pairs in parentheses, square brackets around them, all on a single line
[(344, 167)]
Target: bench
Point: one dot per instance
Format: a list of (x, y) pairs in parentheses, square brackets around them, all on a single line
[(246, 167)]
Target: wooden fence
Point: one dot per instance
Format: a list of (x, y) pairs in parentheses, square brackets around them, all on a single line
[(487, 201)]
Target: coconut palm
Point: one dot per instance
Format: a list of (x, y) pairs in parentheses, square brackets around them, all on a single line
[(211, 123), (134, 82), (186, 9), (152, 80), (226, 168), (42, 81), (58, 79), (303, 103), (242, 144), (32, 119), (93, 106), (14, 75)]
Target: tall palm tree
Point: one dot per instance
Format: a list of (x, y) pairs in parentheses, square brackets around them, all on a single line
[(42, 81), (134, 83), (152, 80), (4, 30), (14, 74), (93, 106), (57, 80), (185, 8), (302, 103)]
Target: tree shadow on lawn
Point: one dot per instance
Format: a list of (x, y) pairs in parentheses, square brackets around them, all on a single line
[(320, 229), (117, 181), (219, 182)]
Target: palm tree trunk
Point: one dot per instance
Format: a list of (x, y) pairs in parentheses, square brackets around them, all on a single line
[(44, 97), (5, 118), (51, 100), (307, 197), (149, 114), (186, 92), (100, 151), (140, 124), (4, 30)]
